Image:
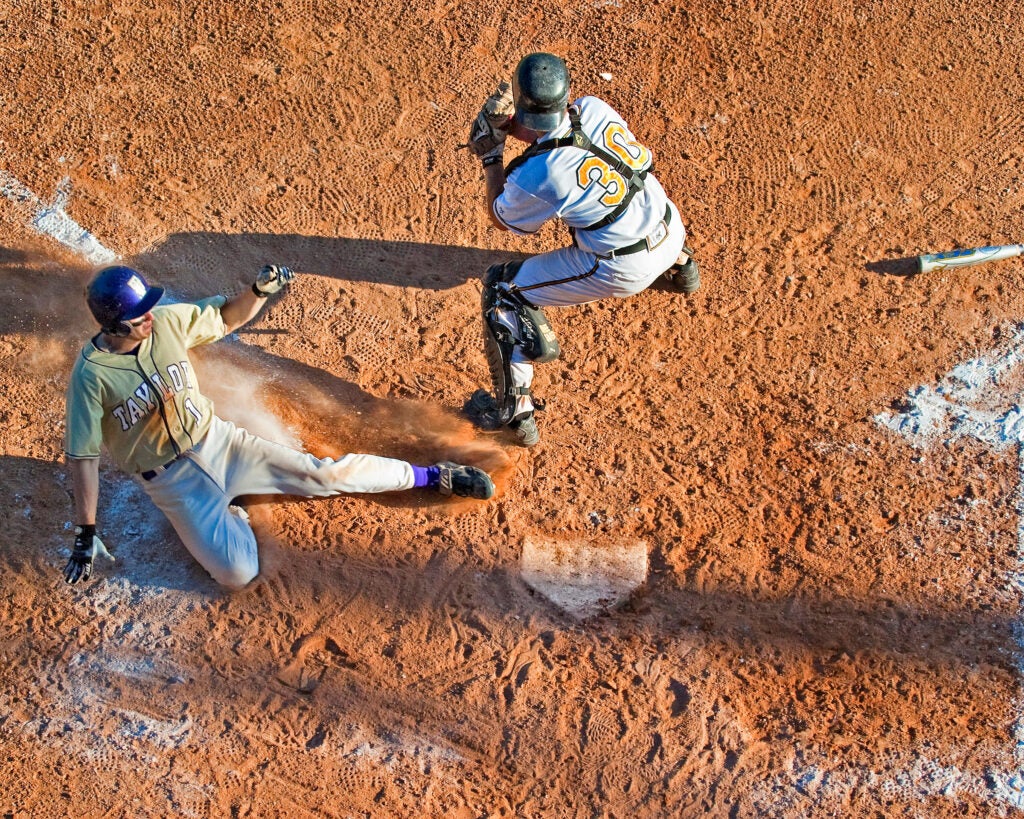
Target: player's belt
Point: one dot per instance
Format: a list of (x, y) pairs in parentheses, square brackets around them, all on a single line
[(649, 242), (149, 474)]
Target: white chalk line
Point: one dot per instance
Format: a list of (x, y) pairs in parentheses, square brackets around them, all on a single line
[(971, 400), (51, 219)]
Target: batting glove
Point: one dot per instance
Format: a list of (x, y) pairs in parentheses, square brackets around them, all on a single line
[(271, 279), (87, 547)]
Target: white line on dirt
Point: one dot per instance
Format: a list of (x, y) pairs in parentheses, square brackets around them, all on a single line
[(51, 220), (974, 400)]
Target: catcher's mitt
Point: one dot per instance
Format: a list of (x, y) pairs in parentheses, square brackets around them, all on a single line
[(489, 129)]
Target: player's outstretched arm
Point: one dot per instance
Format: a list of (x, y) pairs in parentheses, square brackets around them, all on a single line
[(244, 307), (85, 479)]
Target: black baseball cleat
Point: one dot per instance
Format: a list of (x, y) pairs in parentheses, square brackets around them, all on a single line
[(525, 429), (688, 277), (482, 410), (684, 277), (464, 481)]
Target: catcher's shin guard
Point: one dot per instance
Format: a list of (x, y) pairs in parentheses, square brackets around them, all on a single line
[(499, 341), (510, 322)]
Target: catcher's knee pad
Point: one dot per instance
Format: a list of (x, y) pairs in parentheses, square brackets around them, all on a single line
[(530, 329)]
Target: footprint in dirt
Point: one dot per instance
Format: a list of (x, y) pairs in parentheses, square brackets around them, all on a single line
[(312, 656)]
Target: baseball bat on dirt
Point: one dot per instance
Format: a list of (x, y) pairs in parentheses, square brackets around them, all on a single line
[(965, 258)]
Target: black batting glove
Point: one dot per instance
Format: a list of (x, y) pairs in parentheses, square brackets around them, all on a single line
[(80, 563), (87, 546)]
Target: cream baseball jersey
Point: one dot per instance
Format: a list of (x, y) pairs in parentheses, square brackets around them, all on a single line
[(145, 406)]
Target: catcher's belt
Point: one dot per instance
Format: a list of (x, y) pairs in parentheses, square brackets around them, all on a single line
[(649, 242)]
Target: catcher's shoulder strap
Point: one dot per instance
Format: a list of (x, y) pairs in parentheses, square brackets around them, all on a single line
[(633, 178)]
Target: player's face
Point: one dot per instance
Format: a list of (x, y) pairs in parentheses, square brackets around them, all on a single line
[(141, 327)]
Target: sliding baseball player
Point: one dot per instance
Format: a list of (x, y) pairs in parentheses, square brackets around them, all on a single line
[(134, 390)]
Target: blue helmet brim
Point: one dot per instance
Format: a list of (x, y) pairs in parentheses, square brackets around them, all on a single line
[(148, 302)]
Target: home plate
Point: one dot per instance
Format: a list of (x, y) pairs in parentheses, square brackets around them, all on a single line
[(583, 578)]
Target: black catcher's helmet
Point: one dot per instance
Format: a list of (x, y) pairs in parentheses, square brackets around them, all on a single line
[(540, 88)]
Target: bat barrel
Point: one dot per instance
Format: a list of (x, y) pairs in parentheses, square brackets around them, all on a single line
[(964, 258)]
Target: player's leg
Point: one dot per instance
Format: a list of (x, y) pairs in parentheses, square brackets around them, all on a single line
[(565, 277), (517, 333), (215, 533), (683, 273), (255, 466), (196, 492), (568, 276)]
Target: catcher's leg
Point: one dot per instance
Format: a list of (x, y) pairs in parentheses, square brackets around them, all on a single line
[(515, 333)]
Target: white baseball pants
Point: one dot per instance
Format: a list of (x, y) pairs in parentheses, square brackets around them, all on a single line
[(613, 278), (196, 491)]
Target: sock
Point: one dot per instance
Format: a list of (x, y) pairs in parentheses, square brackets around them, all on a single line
[(428, 476)]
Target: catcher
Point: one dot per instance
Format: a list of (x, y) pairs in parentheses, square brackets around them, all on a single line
[(583, 166), (133, 389)]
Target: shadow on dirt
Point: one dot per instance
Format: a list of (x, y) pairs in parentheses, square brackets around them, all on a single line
[(11, 256), (833, 630), (46, 291), (36, 505), (37, 525), (904, 267), (832, 627), (43, 296), (185, 260), (150, 559), (47, 301)]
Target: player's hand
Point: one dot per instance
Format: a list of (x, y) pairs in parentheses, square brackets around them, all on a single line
[(485, 140), (271, 279), (87, 547), (488, 131)]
